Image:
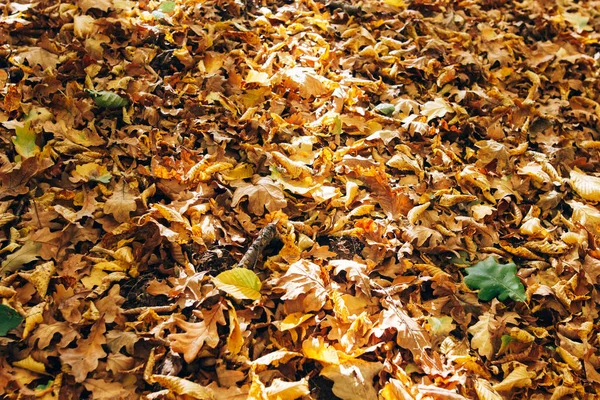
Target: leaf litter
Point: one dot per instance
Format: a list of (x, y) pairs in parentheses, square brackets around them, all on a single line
[(299, 199)]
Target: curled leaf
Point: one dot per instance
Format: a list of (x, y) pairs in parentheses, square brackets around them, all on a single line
[(107, 99), (385, 108)]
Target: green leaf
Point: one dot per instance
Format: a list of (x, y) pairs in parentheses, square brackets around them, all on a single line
[(167, 6), (107, 99), (495, 280), (240, 283), (337, 127), (9, 319), (385, 108), (25, 141)]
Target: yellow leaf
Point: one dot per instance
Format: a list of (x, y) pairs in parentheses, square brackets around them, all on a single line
[(91, 172), (34, 318), (485, 391), (181, 386), (276, 357), (520, 377), (240, 283), (293, 320), (395, 3), (241, 171), (30, 364), (482, 337), (257, 77), (40, 277), (317, 349), (588, 187), (281, 390), (94, 279), (235, 341), (24, 141)]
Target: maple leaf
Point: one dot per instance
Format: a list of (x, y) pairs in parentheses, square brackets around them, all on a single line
[(39, 56), (198, 333), (437, 108), (13, 182), (121, 202), (356, 272), (306, 279), (306, 80), (84, 358), (262, 192), (395, 202), (495, 280)]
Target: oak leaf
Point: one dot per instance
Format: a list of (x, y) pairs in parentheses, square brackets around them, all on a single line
[(304, 278), (103, 390), (197, 334), (482, 335), (84, 358), (495, 280), (353, 379)]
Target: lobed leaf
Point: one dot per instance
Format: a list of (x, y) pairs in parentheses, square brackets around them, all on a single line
[(495, 280)]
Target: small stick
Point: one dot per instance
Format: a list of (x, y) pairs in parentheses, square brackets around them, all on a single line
[(156, 309), (265, 236)]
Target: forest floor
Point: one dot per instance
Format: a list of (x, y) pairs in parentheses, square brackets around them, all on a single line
[(419, 179)]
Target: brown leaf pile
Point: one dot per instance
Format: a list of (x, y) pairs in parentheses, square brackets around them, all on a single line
[(393, 143)]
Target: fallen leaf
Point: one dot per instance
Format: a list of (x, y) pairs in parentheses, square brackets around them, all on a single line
[(262, 193), (84, 358)]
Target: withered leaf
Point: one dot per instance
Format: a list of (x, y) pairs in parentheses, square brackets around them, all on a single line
[(84, 358), (197, 334)]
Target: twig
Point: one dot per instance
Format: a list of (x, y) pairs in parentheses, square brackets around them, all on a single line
[(265, 236), (156, 309)]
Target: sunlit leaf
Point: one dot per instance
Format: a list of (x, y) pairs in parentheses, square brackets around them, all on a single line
[(167, 6), (241, 283)]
